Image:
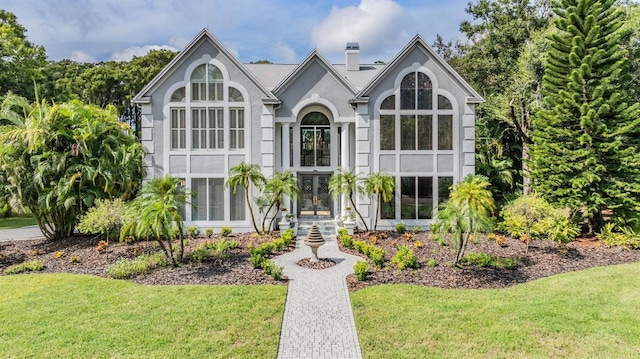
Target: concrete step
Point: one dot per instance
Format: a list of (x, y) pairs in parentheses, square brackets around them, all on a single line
[(326, 227)]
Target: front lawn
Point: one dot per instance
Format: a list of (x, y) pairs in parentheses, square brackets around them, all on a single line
[(77, 316), (17, 221), (593, 313)]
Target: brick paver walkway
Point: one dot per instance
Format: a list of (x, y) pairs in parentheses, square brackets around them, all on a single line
[(318, 320)]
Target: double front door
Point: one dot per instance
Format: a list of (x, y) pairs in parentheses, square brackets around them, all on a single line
[(315, 200)]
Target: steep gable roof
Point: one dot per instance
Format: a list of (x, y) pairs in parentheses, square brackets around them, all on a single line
[(184, 53), (473, 96), (314, 56)]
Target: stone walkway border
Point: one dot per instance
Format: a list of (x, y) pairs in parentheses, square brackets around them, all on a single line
[(318, 320)]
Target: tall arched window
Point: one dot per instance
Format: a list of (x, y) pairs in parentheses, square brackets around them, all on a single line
[(315, 137), (206, 83)]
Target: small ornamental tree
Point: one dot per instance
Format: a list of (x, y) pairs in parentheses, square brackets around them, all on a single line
[(245, 175), (280, 185), (382, 186), (466, 212), (347, 183), (105, 217)]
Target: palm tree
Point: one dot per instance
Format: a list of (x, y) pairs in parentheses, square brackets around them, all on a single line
[(382, 186), (245, 174), (466, 212), (280, 185), (155, 213), (347, 183)]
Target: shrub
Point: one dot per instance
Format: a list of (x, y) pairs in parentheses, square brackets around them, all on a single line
[(225, 231), (405, 258), (482, 260), (279, 244), (531, 217), (208, 232), (377, 256), (625, 239), (416, 229), (221, 245), (29, 266), (199, 255), (401, 228), (193, 231), (128, 268), (359, 246), (256, 260), (345, 239), (272, 269), (264, 249), (361, 270), (432, 262), (287, 236)]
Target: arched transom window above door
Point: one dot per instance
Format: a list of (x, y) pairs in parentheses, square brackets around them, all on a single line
[(409, 121), (315, 140)]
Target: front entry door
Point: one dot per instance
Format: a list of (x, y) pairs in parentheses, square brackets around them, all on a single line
[(315, 200)]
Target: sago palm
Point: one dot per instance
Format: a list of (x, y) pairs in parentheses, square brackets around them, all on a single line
[(347, 183), (244, 175), (382, 186), (467, 212)]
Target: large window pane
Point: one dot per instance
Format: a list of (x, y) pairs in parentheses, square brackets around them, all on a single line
[(408, 92), (387, 132), (408, 198), (425, 93), (199, 199), (444, 188), (425, 197), (407, 132), (388, 209), (238, 205), (323, 154), (425, 139), (445, 132), (216, 199)]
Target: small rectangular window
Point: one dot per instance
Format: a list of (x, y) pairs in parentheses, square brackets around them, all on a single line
[(425, 139), (387, 132), (178, 129), (236, 128), (407, 198), (445, 132), (238, 205), (216, 199), (199, 199), (407, 132)]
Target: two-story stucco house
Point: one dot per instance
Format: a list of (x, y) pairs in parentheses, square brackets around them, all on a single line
[(412, 118)]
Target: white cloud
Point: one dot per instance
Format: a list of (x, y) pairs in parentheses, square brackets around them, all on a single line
[(283, 53), (129, 53), (375, 24), (81, 56)]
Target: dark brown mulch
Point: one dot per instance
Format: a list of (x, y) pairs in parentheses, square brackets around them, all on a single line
[(543, 259), (321, 263), (234, 269)]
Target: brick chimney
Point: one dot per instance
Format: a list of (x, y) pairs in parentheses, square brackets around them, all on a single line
[(352, 53)]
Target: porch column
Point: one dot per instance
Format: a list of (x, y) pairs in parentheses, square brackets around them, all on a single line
[(344, 160), (285, 146)]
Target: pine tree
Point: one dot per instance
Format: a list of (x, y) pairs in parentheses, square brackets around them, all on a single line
[(586, 152)]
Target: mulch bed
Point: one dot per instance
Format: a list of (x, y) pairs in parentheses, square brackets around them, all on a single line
[(543, 259), (321, 263), (234, 269)]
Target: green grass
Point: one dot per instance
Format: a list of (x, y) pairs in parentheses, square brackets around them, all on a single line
[(17, 221), (588, 314), (74, 316)]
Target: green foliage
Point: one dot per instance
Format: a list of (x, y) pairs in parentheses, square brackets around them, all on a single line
[(225, 231), (256, 260), (401, 228), (348, 184), (155, 214), (586, 139), (29, 266), (263, 249), (345, 238), (466, 213), (624, 239), (281, 184), (483, 260), (193, 231), (531, 217), (361, 270), (130, 268), (432, 262), (270, 268), (416, 229), (279, 244), (104, 217), (287, 236), (405, 258), (208, 232), (58, 159), (381, 186), (376, 254), (245, 175)]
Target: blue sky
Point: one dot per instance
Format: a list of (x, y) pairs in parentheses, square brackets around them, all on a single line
[(283, 31)]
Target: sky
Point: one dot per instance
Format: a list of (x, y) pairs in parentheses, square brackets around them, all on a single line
[(282, 31)]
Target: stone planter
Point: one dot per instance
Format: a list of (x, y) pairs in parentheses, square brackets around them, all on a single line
[(350, 226)]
